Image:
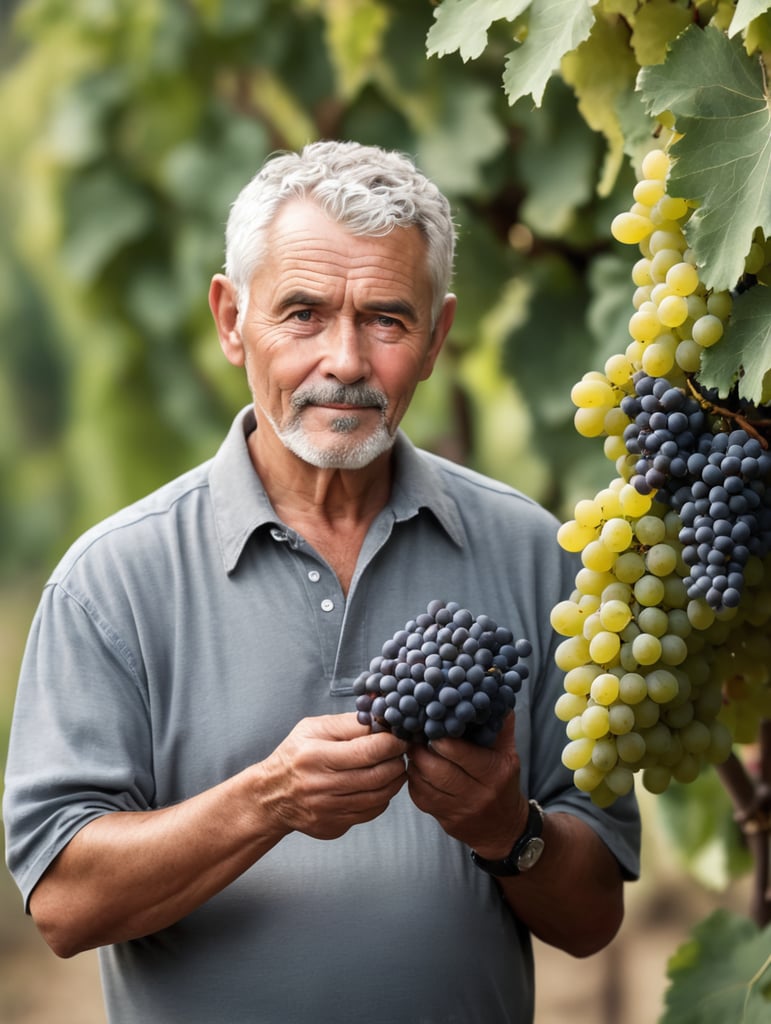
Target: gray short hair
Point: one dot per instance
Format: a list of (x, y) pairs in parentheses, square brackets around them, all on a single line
[(368, 190)]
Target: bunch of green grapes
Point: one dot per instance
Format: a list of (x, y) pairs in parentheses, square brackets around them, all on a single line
[(654, 682)]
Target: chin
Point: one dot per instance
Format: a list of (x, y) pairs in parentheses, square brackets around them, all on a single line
[(350, 456)]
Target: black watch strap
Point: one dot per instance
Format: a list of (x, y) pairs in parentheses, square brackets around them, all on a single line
[(525, 852)]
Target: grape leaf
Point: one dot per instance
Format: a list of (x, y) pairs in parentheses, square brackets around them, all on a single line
[(655, 26), (463, 114), (463, 24), (746, 11), (723, 161), (106, 211), (556, 27), (723, 973), (744, 352), (558, 164), (354, 33), (601, 71), (698, 822)]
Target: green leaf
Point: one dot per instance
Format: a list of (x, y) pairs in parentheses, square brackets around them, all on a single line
[(602, 72), (723, 161), (698, 822), (465, 114), (558, 162), (743, 354), (354, 32), (105, 212), (462, 25), (746, 11), (721, 975), (556, 27), (655, 26)]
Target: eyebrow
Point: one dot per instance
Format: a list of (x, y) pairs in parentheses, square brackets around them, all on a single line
[(299, 299)]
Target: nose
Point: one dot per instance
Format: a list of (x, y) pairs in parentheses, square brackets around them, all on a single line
[(345, 355)]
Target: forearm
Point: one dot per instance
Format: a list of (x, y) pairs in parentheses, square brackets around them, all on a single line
[(573, 897), (127, 874)]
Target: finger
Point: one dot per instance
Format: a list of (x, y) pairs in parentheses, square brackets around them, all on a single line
[(372, 778), (350, 742), (477, 760)]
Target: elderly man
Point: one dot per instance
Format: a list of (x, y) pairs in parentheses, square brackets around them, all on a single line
[(188, 786)]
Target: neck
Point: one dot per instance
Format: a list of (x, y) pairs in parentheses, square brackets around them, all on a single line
[(297, 488)]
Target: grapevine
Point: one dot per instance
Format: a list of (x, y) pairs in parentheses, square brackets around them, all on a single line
[(666, 653)]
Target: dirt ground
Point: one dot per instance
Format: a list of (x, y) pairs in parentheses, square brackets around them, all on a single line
[(624, 984)]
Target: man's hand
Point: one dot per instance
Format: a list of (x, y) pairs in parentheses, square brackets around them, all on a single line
[(331, 773), (472, 791)]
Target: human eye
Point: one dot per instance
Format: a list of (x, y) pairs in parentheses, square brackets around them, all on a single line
[(303, 316)]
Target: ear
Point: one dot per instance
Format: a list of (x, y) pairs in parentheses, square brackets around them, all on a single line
[(223, 303), (441, 330)]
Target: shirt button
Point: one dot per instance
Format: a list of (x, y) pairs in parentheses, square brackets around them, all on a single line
[(314, 576), (327, 604)]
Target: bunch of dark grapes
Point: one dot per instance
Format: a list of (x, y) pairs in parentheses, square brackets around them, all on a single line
[(718, 481), (665, 430), (446, 673)]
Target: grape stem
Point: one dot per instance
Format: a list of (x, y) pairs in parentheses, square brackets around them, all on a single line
[(751, 799), (719, 410)]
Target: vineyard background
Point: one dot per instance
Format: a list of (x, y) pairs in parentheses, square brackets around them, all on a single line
[(128, 126)]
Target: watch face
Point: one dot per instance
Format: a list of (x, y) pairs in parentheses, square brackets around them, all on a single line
[(530, 854)]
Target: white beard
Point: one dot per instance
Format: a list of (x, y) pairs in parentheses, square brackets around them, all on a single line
[(347, 453)]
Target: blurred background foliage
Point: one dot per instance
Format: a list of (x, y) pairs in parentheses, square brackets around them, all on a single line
[(128, 128)]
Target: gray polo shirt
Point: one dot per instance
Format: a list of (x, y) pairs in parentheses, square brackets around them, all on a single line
[(181, 640)]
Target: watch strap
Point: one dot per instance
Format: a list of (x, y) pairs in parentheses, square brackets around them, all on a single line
[(529, 842)]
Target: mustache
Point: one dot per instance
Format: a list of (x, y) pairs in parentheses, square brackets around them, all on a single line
[(339, 394)]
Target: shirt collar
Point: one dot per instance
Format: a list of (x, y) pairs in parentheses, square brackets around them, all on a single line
[(241, 504)]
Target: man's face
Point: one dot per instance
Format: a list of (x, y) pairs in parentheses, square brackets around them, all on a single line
[(337, 335)]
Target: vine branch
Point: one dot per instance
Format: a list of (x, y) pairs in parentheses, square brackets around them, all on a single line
[(751, 799), (751, 426)]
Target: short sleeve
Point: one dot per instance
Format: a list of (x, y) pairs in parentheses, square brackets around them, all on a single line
[(80, 743)]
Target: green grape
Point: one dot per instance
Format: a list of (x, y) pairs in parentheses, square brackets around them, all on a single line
[(616, 534), (621, 719), (707, 330), (646, 714), (658, 739), (696, 737), (569, 705), (604, 647), (687, 769), (604, 755), (577, 753), (633, 688), (662, 686), (683, 278), (661, 559), (630, 747), (674, 649), (615, 614), (649, 590), (619, 780), (595, 721), (656, 779), (629, 567), (646, 649), (605, 688), (650, 530), (653, 620)]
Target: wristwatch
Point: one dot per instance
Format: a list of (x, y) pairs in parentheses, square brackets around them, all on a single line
[(525, 852)]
